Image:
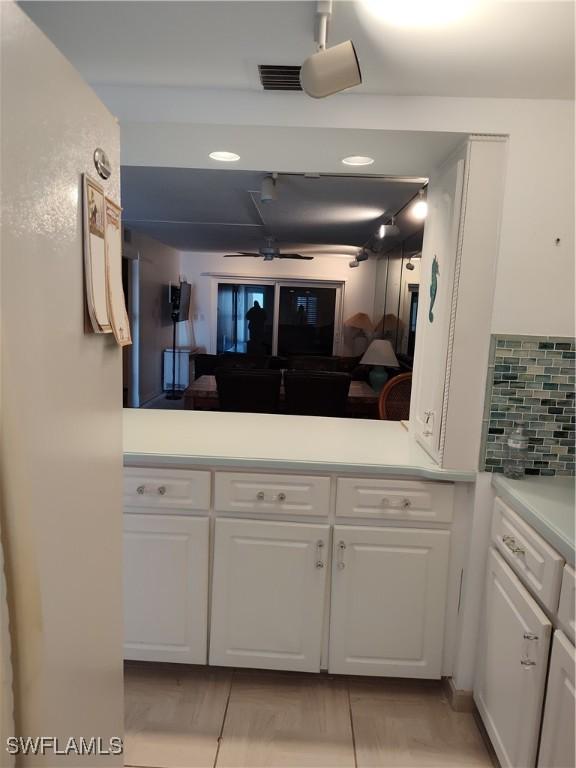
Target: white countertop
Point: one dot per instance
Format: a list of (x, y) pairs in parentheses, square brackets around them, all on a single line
[(547, 504), (269, 441)]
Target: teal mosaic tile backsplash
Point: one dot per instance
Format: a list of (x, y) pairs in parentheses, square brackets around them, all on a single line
[(531, 382)]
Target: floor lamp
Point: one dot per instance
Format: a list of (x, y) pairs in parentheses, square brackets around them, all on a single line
[(175, 315)]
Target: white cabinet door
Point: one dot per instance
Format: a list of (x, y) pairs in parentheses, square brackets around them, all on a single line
[(165, 588), (567, 603), (512, 663), (268, 593), (388, 601), (557, 742)]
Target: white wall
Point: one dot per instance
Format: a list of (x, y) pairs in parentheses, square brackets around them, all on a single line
[(530, 298), (358, 289), (61, 390), (159, 265)]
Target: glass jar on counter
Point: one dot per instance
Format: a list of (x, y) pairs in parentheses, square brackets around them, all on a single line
[(516, 454)]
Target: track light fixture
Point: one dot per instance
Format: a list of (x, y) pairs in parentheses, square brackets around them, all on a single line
[(388, 230), (268, 188), (420, 208), (330, 70), (354, 263)]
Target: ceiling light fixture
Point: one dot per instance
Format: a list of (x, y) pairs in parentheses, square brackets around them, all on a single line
[(420, 207), (354, 263), (419, 13), (330, 70), (358, 160), (224, 157)]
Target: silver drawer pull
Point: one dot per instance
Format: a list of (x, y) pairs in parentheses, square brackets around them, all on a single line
[(281, 497), (141, 490), (162, 490), (510, 542), (527, 663), (530, 636), (319, 549), (260, 495), (406, 503), (340, 564)]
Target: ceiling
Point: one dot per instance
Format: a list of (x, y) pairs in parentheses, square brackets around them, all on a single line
[(503, 48), (220, 210)]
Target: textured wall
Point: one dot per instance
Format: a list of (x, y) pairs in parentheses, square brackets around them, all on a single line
[(531, 381)]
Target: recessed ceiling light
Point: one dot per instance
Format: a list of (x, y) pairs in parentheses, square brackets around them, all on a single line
[(358, 160), (225, 157)]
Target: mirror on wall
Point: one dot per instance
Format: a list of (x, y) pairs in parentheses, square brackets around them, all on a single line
[(397, 294)]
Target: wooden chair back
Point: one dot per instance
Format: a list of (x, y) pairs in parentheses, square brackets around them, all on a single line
[(394, 400)]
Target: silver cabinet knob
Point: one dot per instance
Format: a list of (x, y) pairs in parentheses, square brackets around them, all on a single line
[(530, 636), (140, 490), (510, 542), (319, 550), (406, 503), (260, 495), (281, 497), (162, 490), (340, 564), (385, 502)]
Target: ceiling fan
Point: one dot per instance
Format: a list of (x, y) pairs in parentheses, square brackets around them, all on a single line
[(269, 252)]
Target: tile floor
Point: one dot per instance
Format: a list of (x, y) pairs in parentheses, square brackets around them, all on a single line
[(203, 717)]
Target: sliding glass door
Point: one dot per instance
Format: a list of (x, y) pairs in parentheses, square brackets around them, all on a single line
[(306, 320), (245, 314), (278, 317)]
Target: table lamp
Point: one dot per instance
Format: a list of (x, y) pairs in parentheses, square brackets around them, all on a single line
[(380, 355)]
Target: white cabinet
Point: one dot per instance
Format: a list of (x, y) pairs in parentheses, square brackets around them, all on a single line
[(267, 494), (567, 603), (378, 499), (388, 601), (165, 587), (538, 565), (512, 664), (176, 490), (557, 742), (268, 591)]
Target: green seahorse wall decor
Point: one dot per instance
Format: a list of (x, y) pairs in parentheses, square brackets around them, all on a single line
[(433, 288)]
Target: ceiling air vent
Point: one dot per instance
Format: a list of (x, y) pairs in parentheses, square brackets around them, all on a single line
[(279, 77)]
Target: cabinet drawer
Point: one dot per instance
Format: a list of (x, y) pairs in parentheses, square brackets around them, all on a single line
[(537, 564), (567, 601), (394, 500), (166, 489), (265, 494)]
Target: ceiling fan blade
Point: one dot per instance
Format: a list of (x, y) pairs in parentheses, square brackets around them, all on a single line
[(295, 256), (242, 254)]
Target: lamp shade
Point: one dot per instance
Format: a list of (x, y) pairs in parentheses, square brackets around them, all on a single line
[(380, 352), (361, 321)]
